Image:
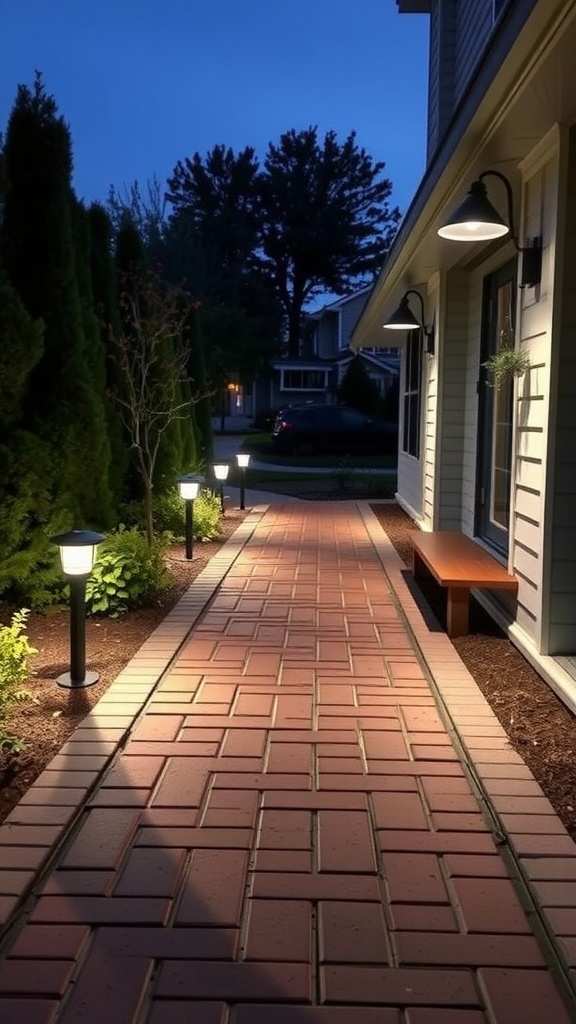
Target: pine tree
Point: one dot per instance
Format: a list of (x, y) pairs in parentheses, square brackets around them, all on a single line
[(26, 508), (104, 291), (62, 405), (358, 390)]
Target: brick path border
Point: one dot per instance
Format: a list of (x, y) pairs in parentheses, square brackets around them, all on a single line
[(540, 854)]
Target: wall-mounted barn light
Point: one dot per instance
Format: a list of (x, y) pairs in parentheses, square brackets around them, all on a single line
[(403, 319), (476, 219)]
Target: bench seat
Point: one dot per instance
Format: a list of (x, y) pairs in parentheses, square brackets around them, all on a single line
[(458, 563)]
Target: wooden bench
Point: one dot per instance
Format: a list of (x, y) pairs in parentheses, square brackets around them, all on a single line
[(458, 563)]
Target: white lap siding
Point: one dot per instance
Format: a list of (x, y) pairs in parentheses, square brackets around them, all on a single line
[(559, 625)]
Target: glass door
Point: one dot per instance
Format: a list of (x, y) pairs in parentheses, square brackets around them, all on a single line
[(496, 412)]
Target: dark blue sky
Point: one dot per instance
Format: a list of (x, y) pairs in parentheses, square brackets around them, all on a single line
[(144, 83)]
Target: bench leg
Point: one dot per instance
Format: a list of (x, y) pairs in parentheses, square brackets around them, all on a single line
[(458, 611), (418, 566)]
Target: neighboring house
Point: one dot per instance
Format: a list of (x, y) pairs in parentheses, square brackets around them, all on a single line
[(500, 465), (325, 354)]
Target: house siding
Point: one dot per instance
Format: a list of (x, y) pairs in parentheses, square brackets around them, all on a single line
[(452, 408), (560, 635), (349, 317), (473, 29), (327, 336)]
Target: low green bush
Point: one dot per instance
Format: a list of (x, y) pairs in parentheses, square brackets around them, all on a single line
[(169, 515), (15, 653), (207, 516), (128, 573)]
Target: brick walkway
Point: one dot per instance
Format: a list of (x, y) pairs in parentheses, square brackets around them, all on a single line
[(293, 832)]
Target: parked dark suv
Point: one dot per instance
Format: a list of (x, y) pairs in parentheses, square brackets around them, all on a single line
[(307, 429)]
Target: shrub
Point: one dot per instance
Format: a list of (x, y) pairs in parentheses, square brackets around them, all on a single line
[(128, 573), (169, 515), (207, 516), (15, 652)]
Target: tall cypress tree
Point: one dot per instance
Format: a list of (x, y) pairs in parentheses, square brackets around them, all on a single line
[(26, 508), (37, 241), (105, 299)]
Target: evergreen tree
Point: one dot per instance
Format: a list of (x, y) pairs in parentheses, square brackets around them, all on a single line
[(62, 405), (358, 390), (95, 353), (104, 292), (26, 462), (202, 408)]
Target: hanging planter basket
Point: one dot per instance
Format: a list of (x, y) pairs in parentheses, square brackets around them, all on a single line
[(506, 364)]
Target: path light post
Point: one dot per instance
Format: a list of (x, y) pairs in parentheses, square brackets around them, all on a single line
[(221, 474), (242, 458), (77, 555), (188, 486)]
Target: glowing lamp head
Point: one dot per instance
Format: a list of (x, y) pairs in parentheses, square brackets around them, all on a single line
[(221, 471), (242, 458), (78, 551), (188, 486)]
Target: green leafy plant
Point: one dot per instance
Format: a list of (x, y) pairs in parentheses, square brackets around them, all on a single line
[(506, 364), (15, 652), (169, 515), (207, 516), (129, 573)]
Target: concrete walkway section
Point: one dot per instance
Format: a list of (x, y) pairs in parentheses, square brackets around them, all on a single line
[(293, 807)]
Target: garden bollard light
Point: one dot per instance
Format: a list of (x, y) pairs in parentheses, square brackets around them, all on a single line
[(77, 554), (242, 458), (188, 487), (221, 474)]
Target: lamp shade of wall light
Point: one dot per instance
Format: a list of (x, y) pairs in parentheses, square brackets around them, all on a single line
[(403, 319), (476, 219)]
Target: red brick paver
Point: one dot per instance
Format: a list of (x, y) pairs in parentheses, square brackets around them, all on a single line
[(289, 835)]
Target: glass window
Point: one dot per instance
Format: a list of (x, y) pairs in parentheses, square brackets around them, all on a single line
[(496, 413), (412, 395), (303, 380)]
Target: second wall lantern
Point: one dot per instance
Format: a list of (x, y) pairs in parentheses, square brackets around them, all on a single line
[(403, 319)]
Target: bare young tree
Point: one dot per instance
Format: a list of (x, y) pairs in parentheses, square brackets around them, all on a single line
[(151, 350)]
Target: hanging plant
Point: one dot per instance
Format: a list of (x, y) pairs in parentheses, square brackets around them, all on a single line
[(506, 364)]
